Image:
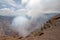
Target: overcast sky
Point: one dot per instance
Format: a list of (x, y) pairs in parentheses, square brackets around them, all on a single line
[(30, 7)]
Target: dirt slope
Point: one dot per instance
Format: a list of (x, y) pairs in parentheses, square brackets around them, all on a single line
[(51, 31)]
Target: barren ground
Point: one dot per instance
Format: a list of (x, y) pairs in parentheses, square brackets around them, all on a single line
[(51, 30)]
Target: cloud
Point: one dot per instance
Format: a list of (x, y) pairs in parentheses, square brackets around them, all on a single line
[(10, 2), (33, 7), (21, 11), (12, 12), (24, 1), (44, 5), (6, 12)]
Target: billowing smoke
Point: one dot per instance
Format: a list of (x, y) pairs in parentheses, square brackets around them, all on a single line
[(36, 17), (25, 24)]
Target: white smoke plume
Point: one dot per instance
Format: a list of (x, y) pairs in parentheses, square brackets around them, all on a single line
[(36, 17), (24, 25)]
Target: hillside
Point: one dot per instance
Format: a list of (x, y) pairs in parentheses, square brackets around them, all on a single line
[(51, 30)]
